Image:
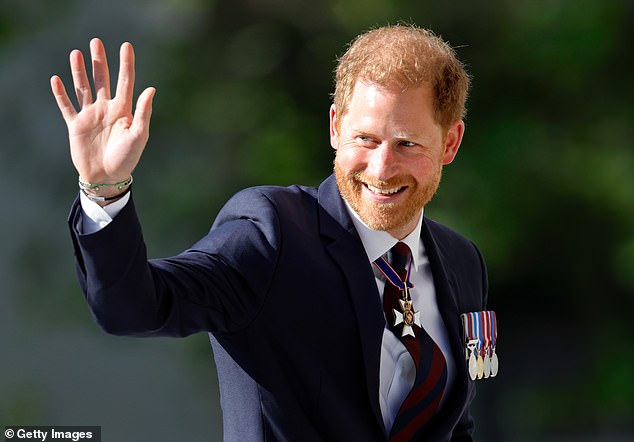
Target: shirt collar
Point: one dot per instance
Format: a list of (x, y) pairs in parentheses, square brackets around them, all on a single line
[(378, 242)]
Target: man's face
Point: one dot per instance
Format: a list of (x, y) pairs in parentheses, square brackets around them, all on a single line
[(389, 154)]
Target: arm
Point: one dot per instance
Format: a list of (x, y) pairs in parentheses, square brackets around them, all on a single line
[(95, 217), (219, 284), (201, 289)]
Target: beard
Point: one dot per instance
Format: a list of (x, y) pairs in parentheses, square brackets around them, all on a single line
[(386, 216)]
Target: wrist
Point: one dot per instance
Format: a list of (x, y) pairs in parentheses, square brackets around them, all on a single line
[(95, 187), (105, 193), (105, 200)]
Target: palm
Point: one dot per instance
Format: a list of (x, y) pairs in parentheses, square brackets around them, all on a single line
[(101, 141), (106, 139)]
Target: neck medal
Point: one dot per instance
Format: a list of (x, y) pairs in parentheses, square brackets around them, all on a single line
[(407, 316)]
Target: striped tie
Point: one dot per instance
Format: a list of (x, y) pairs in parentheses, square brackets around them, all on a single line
[(431, 369)]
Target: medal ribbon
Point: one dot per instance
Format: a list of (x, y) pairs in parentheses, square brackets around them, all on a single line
[(477, 332), (391, 274), (486, 328), (465, 325), (469, 326), (482, 326), (494, 329)]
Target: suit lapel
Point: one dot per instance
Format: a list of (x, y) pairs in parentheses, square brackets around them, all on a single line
[(345, 248), (446, 296)]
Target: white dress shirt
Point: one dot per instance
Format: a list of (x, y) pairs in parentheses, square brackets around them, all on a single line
[(397, 370), (96, 217)]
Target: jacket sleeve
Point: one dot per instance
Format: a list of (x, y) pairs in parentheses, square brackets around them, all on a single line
[(219, 284), (463, 431)]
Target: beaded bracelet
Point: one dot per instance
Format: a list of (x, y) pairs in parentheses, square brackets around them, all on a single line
[(95, 186)]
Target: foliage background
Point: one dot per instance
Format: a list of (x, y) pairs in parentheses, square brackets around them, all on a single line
[(544, 184)]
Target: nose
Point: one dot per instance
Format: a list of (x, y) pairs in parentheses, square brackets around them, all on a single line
[(383, 162)]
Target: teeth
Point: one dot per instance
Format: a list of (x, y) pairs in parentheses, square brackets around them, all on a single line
[(383, 191)]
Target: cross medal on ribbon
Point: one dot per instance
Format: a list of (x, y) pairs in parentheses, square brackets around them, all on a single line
[(407, 316)]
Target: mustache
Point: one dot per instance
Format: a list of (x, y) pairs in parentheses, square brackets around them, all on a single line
[(397, 181)]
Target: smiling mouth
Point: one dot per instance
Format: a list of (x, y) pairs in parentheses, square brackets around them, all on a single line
[(387, 191)]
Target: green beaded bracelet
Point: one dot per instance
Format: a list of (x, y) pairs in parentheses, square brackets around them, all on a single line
[(95, 186)]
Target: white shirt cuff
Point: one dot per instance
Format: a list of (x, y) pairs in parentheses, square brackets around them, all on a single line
[(96, 217)]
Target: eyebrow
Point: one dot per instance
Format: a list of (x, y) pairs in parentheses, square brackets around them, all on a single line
[(405, 135), (421, 139), (400, 135)]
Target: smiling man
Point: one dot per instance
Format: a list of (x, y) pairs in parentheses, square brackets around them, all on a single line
[(334, 312), (390, 153)]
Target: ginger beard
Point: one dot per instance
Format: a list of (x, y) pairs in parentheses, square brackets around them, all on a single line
[(386, 216)]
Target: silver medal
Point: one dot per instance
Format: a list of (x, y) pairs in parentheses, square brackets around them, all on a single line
[(487, 363), (494, 364), (473, 363)]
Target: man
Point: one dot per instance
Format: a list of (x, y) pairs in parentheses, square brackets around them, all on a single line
[(293, 283)]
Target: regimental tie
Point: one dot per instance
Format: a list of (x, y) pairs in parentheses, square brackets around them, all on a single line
[(431, 368)]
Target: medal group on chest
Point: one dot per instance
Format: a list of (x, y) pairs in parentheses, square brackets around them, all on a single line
[(480, 337)]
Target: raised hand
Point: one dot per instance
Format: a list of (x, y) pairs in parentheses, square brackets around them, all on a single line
[(106, 138)]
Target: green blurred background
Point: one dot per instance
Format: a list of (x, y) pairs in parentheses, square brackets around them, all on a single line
[(543, 183)]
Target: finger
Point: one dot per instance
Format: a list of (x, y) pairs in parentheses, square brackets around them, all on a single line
[(100, 74), (80, 80), (61, 97), (125, 82), (143, 112)]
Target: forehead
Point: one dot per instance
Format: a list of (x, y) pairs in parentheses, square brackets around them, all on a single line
[(374, 104), (369, 94)]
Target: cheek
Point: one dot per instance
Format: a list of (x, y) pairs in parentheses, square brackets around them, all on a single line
[(350, 158), (423, 168)]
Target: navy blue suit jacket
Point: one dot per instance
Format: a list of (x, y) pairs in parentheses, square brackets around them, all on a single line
[(284, 287)]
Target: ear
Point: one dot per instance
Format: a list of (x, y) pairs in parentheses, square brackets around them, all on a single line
[(452, 141), (334, 132)]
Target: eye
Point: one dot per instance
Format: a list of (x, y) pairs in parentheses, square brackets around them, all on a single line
[(365, 140), (406, 143)]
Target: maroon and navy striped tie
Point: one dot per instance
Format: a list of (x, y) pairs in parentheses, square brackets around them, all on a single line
[(422, 401)]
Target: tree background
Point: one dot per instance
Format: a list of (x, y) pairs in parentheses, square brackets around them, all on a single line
[(543, 183)]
